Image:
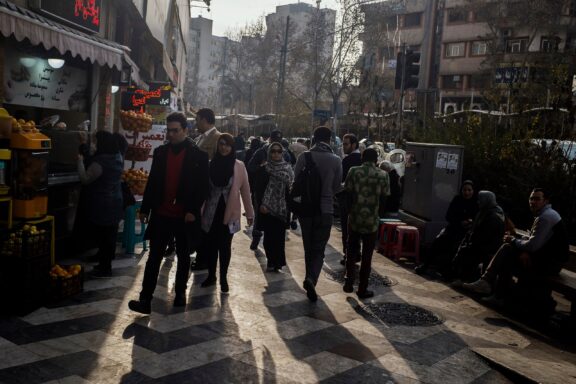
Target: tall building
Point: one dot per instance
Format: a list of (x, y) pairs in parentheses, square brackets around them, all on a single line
[(208, 61)]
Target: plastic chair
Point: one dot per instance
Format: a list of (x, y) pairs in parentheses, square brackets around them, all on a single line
[(129, 236), (407, 243), (386, 234)]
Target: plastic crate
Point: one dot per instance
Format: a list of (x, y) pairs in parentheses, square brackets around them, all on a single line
[(20, 243), (63, 287)]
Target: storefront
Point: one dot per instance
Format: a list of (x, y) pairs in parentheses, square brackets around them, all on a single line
[(57, 74)]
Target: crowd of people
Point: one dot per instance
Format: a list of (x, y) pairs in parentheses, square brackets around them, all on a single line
[(197, 188)]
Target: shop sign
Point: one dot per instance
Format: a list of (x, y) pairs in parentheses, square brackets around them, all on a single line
[(31, 81), (84, 13), (135, 99)]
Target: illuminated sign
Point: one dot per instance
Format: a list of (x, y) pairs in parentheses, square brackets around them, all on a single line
[(135, 99), (84, 13)]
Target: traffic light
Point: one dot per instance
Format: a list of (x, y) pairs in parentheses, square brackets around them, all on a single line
[(407, 65), (412, 70)]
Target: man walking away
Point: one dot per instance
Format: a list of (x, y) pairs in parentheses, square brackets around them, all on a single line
[(317, 225), (366, 184), (176, 189), (352, 158), (207, 141), (240, 146)]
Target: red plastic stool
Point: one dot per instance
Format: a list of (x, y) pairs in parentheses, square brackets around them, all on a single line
[(407, 243), (386, 235)]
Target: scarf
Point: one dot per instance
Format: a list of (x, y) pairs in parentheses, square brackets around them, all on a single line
[(488, 205), (281, 177), (222, 168)]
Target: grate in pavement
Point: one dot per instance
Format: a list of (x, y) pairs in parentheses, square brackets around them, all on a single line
[(400, 314), (376, 280)]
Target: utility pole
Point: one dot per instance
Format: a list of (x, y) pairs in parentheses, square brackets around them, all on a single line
[(400, 114), (282, 74)]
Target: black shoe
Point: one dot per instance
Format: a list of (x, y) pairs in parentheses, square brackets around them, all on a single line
[(365, 295), (198, 267), (98, 273), (343, 261), (310, 290), (180, 301), (277, 270), (348, 287), (293, 225), (210, 281), (254, 243), (224, 286), (140, 306)]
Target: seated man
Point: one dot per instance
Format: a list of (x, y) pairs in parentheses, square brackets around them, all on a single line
[(540, 254)]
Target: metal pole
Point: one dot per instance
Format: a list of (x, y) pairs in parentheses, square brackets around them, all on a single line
[(401, 102)]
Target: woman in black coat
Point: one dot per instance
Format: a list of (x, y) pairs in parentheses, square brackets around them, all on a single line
[(460, 215)]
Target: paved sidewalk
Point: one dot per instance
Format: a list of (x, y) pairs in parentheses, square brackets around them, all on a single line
[(266, 331)]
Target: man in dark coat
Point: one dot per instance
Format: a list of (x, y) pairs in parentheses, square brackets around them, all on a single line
[(176, 189)]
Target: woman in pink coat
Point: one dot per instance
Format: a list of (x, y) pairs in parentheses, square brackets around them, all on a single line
[(222, 210)]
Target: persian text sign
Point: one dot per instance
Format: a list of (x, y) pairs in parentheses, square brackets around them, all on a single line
[(135, 99)]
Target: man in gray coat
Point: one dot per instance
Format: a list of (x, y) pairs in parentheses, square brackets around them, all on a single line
[(316, 228)]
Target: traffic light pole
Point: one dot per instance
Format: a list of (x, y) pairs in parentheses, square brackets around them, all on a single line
[(399, 116)]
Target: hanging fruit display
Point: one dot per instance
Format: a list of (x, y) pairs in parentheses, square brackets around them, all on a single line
[(135, 122)]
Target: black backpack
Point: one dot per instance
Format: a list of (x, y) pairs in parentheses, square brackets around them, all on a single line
[(306, 191)]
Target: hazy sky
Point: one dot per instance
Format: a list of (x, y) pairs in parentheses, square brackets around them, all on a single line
[(231, 14)]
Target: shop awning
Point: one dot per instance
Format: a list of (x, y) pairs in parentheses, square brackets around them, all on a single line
[(25, 24)]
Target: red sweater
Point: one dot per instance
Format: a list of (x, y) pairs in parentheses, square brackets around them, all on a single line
[(169, 208)]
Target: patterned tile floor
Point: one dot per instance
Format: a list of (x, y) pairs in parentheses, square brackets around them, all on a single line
[(263, 331)]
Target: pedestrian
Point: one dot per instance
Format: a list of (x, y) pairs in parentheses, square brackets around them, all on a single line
[(255, 144), (208, 138), (240, 146), (221, 213), (176, 189), (317, 224), (392, 204), (531, 258), (366, 184), (291, 155), (207, 141), (352, 158), (103, 195), (460, 215), (273, 181)]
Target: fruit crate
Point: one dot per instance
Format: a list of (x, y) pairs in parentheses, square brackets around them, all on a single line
[(26, 242), (63, 287), (135, 153)]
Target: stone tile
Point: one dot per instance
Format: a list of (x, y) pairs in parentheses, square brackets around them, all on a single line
[(53, 348), (69, 380), (368, 374), (463, 365), (32, 373), (299, 326), (14, 355)]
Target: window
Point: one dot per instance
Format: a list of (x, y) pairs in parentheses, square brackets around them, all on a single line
[(452, 82), (478, 48), (549, 44), (480, 81), (455, 49), (517, 45), (412, 20), (456, 15)]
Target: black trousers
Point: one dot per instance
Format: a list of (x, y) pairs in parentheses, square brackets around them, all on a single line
[(368, 243), (315, 236), (105, 237), (274, 241), (218, 245), (160, 231)]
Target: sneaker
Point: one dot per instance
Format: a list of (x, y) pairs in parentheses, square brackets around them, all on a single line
[(343, 261), (180, 301), (365, 295), (210, 281), (140, 306), (310, 290), (100, 274), (479, 286), (293, 225)]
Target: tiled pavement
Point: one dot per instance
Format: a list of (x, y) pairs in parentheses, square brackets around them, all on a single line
[(263, 331)]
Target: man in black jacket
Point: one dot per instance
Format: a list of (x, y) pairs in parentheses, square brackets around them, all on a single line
[(176, 189)]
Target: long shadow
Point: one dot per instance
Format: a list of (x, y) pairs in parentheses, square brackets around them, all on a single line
[(373, 351)]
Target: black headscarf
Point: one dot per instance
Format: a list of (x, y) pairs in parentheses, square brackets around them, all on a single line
[(222, 167), (106, 143)]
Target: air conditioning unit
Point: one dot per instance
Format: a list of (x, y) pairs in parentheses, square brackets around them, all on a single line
[(450, 108), (476, 106)]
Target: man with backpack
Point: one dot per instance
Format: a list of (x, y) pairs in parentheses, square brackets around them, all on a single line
[(318, 175)]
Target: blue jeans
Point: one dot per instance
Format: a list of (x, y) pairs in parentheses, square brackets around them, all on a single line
[(315, 235)]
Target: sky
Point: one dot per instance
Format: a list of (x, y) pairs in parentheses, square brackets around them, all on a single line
[(233, 14)]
